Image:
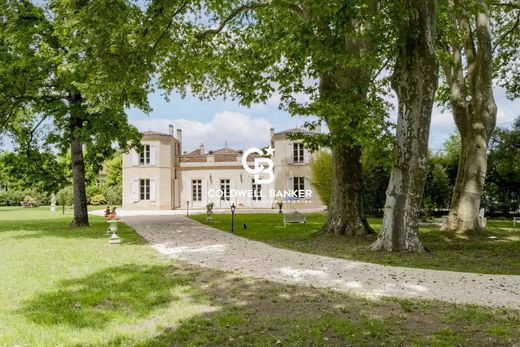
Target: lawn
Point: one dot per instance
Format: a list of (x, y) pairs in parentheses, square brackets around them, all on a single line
[(67, 287), (446, 251)]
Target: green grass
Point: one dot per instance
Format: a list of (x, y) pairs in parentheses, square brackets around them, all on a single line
[(67, 287), (446, 250)]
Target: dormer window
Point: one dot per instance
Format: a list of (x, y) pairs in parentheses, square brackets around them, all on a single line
[(144, 156)]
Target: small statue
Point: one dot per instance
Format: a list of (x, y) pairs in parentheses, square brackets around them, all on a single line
[(209, 212), (280, 205), (53, 202)]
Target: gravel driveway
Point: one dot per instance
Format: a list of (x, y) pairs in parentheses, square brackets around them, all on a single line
[(184, 239)]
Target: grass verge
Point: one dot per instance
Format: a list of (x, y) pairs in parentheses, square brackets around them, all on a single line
[(67, 287), (446, 250)]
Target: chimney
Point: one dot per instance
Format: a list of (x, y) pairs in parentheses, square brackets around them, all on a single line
[(318, 128), (201, 149), (179, 137), (170, 127), (271, 135)]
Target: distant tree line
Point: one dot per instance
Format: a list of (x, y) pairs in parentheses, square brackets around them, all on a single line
[(501, 191)]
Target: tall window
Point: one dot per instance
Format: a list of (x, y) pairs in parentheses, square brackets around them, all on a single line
[(257, 190), (144, 156), (144, 189), (225, 187), (299, 185), (298, 152), (196, 190)]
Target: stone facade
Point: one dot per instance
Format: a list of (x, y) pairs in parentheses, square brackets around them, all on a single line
[(162, 178)]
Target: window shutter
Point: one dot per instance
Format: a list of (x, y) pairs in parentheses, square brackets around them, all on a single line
[(135, 157), (152, 190), (290, 154), (290, 183), (152, 154), (135, 190), (306, 155)]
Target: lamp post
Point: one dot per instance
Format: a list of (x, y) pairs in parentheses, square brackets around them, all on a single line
[(232, 217), (187, 207)]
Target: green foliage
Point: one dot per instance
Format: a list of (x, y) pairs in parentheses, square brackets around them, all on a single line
[(503, 176), (321, 175), (291, 49), (32, 170), (15, 197), (98, 199), (30, 201), (114, 168), (377, 163), (437, 189), (64, 196), (12, 197), (113, 195)]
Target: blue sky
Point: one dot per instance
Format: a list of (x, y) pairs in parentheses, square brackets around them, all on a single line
[(215, 122)]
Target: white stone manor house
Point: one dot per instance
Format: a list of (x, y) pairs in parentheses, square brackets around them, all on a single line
[(163, 177)]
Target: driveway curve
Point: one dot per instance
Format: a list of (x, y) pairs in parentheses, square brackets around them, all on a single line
[(183, 239)]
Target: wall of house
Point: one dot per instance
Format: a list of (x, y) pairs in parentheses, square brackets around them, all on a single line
[(171, 180), (160, 172), (285, 170), (211, 176)]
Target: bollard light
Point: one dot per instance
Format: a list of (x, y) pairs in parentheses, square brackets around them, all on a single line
[(187, 207), (233, 207)]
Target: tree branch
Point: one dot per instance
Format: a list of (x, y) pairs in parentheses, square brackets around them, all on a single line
[(170, 23), (236, 12), (507, 33)]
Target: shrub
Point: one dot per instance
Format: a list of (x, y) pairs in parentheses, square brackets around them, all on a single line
[(321, 172), (113, 195), (30, 201), (64, 196), (98, 199), (13, 197), (92, 191)]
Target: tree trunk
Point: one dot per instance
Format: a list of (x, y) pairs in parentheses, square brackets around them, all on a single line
[(78, 164), (476, 118), (346, 211), (414, 80)]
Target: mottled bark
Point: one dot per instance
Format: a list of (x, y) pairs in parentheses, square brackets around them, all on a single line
[(474, 111), (414, 80), (78, 164), (346, 215)]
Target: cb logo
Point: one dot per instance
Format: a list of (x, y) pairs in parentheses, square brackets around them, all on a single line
[(259, 168)]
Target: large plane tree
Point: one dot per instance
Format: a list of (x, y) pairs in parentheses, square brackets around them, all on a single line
[(70, 69)]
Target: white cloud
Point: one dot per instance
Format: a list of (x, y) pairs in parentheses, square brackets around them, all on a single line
[(240, 130)]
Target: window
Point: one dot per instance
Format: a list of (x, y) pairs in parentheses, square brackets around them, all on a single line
[(196, 190), (298, 152), (257, 190), (144, 189), (225, 186), (299, 185), (144, 156)]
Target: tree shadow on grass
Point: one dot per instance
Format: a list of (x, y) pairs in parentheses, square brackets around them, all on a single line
[(255, 312), (108, 295)]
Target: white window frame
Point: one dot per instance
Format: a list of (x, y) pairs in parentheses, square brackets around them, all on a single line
[(298, 153), (225, 187), (144, 156), (196, 190), (298, 185), (144, 189)]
